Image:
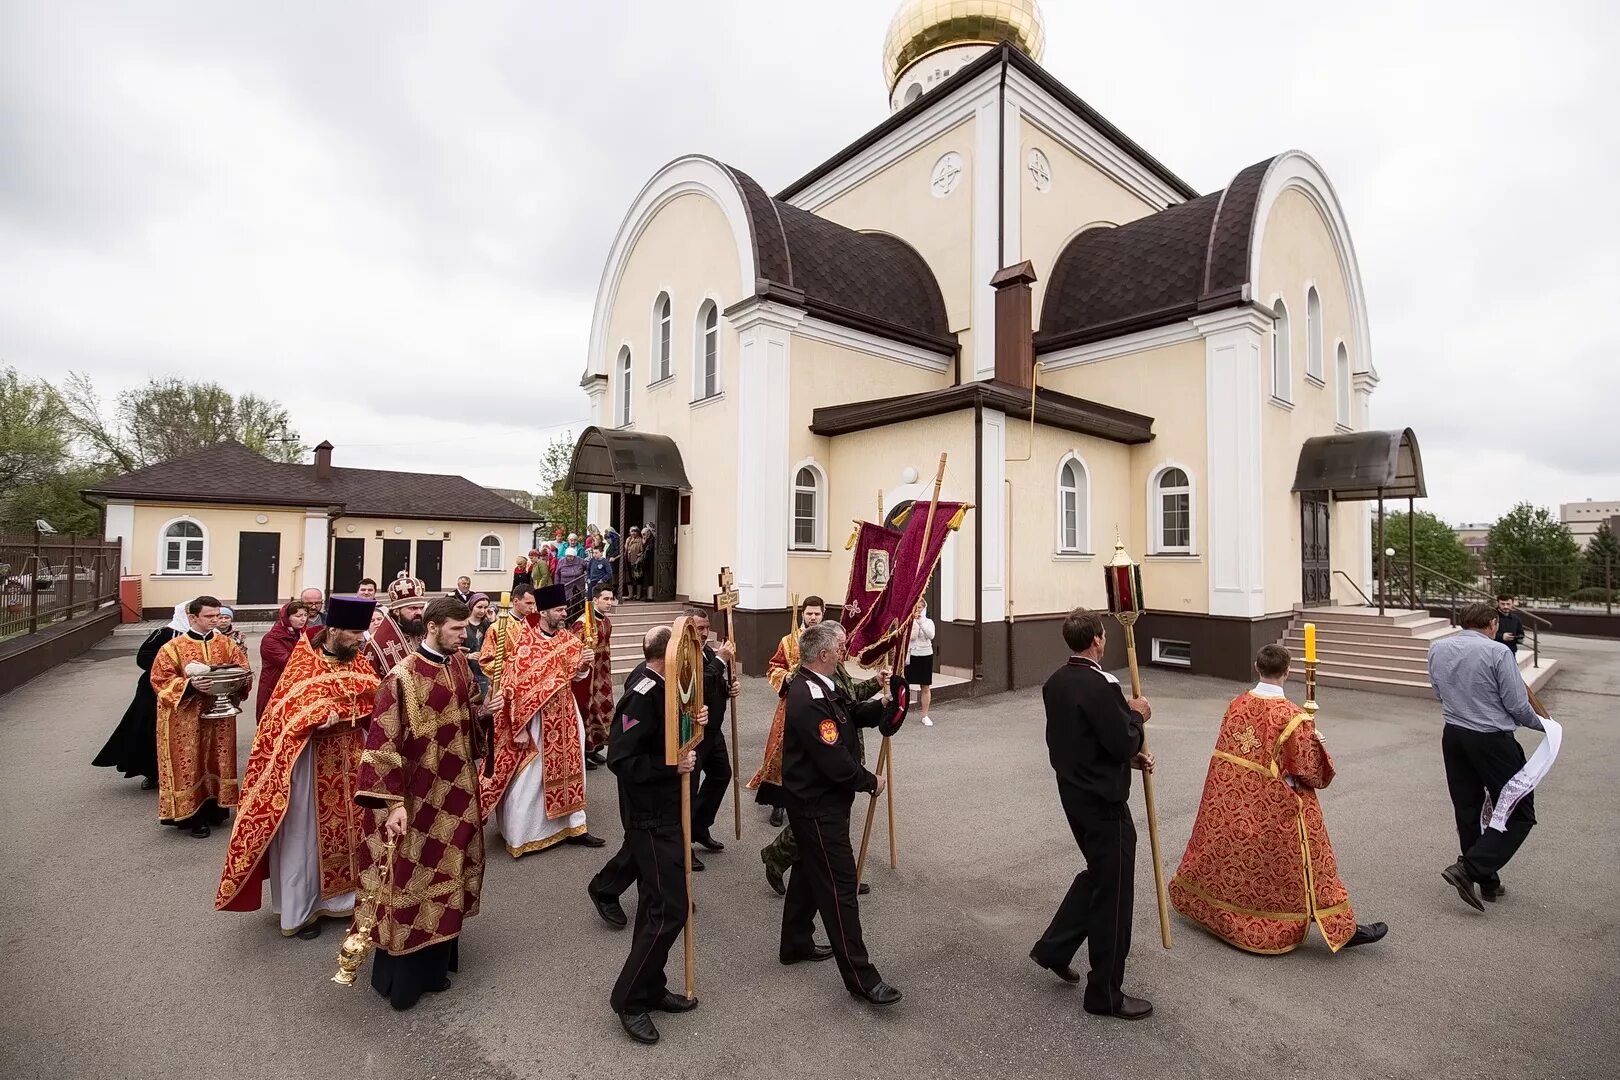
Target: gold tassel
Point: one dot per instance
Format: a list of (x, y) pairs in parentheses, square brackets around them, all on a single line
[(957, 518)]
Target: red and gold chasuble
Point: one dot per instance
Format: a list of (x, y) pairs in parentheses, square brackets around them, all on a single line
[(312, 687), (782, 666), (196, 757), (595, 693), (1259, 868), (539, 678), (420, 750)]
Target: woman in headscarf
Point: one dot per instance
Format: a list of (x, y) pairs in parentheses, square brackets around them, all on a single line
[(277, 648), (226, 625), (132, 750), (522, 575)]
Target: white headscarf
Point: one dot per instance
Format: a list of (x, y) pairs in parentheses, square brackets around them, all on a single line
[(181, 621)]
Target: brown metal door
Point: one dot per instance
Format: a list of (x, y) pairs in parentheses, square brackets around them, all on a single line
[(258, 558), (1313, 543), (348, 563)]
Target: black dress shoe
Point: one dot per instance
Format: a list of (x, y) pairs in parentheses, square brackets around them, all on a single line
[(881, 994), (1458, 878), (586, 839), (1129, 1008), (707, 841), (817, 952), (591, 765), (697, 864), (309, 933), (1067, 974), (778, 817), (866, 887), (200, 830), (774, 877), (1366, 934), (639, 1026), (675, 1003), (599, 755), (608, 907), (1491, 893), (147, 784)]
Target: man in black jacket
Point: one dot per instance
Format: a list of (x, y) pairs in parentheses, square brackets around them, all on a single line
[(714, 759), (820, 778), (1094, 737), (650, 806), (1509, 627)]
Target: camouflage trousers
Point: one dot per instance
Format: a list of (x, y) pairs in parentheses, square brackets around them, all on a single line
[(780, 854)]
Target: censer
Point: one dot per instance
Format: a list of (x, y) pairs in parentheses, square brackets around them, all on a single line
[(357, 944)]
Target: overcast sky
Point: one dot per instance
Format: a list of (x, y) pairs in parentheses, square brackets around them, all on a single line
[(392, 216)]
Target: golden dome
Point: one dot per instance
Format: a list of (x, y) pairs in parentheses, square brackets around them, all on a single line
[(921, 27)]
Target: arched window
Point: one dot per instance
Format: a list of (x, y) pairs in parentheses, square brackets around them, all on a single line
[(913, 92), (625, 374), (489, 554), (1073, 506), (1282, 371), (1341, 385), (663, 337), (1172, 524), (706, 371), (1313, 335), (183, 548), (808, 527)]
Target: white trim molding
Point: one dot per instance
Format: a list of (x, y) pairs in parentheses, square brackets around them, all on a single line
[(1155, 510), (1141, 341), (317, 526), (121, 527), (872, 345), (822, 495), (161, 569), (993, 513), (1082, 545)]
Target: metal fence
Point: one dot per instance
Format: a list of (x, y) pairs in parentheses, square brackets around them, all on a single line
[(1586, 585), (46, 578)]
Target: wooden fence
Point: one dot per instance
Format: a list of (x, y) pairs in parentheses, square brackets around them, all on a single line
[(46, 578)]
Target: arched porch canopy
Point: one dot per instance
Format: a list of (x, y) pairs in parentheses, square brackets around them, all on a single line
[(608, 460), (1362, 465)]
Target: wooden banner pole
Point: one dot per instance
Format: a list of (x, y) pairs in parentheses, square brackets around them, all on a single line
[(1147, 792), (686, 836), (871, 814)]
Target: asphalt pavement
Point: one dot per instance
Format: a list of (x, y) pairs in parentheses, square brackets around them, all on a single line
[(119, 967)]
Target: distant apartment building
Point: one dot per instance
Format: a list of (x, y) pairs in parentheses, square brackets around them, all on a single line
[(1583, 518), (1473, 536)]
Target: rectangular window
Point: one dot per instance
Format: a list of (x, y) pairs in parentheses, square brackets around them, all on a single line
[(1071, 521), (171, 558), (804, 519), (1178, 520), (1174, 653)]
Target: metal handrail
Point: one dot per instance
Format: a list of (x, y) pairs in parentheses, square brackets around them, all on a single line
[(1536, 621), (1353, 585)]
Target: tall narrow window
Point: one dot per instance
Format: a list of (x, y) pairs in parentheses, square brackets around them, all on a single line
[(625, 375), (664, 334), (1072, 507), (806, 508), (1313, 335), (707, 352), (1341, 384), (1173, 512), (1282, 374)]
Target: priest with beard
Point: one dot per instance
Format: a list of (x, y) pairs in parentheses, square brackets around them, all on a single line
[(297, 825), (535, 789), (402, 627), (418, 768)]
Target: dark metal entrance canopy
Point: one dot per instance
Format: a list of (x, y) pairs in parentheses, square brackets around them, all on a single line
[(607, 461), (1362, 465)]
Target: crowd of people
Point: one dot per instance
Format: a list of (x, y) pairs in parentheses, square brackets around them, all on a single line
[(390, 730)]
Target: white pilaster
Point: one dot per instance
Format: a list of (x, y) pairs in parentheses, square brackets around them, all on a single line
[(986, 226), (121, 526), (1362, 383), (315, 529), (1012, 178), (1235, 505), (765, 341), (993, 511)]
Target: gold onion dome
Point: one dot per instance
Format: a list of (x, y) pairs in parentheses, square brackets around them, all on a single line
[(922, 27)]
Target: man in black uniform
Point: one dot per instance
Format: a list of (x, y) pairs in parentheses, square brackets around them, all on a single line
[(1509, 627), (650, 806), (1094, 737), (820, 777), (714, 759)]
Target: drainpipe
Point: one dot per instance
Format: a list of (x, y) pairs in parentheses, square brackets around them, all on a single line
[(978, 540)]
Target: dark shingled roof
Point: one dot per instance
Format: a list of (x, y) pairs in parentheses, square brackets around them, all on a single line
[(867, 281), (231, 473), (1190, 258)]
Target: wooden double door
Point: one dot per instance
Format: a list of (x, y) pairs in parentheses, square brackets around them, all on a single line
[(1315, 527)]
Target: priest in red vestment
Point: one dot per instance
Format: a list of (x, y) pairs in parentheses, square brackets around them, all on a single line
[(297, 825), (419, 766), (536, 787), (1259, 869), (595, 692), (196, 756)]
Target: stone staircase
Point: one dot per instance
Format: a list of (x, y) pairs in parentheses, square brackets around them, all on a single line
[(630, 624), (1359, 649)]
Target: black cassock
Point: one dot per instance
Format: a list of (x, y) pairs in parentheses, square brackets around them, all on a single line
[(132, 749)]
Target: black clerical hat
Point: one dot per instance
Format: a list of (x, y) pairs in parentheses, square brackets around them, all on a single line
[(547, 597), (349, 612)]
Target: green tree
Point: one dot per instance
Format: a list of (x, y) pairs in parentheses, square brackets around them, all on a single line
[(33, 446), (1531, 553), (557, 506), (1438, 552), (1603, 558), (54, 499)]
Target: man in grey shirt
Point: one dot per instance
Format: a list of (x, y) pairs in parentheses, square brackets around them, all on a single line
[(1483, 698)]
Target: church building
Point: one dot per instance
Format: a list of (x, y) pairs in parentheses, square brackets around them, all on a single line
[(997, 273)]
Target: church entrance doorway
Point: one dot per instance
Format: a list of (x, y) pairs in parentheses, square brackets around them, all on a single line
[(1315, 518)]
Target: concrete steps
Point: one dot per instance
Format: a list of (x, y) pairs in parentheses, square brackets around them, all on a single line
[(630, 624)]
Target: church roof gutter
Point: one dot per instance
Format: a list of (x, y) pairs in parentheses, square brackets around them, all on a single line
[(1051, 409), (1005, 55)]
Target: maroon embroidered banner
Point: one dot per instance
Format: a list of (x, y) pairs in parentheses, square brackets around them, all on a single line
[(888, 619), (869, 572)]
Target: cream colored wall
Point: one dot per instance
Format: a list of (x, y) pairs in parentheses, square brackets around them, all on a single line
[(1044, 580), (1080, 195), (460, 551), (688, 251), (898, 200), (1167, 384), (864, 463), (223, 526), (1297, 250)]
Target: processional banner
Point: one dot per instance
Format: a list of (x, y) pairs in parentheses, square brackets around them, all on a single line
[(887, 620)]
